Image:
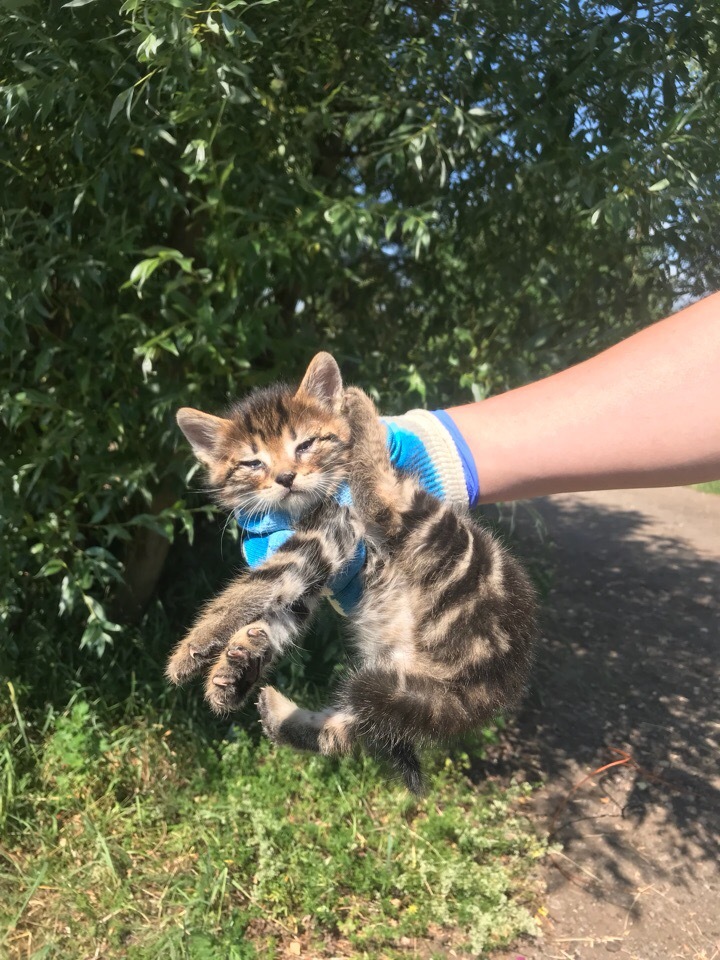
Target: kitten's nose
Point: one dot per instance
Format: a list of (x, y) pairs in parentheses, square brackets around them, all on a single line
[(285, 479)]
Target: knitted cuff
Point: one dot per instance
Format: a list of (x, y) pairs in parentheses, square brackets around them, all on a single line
[(472, 481), (422, 444)]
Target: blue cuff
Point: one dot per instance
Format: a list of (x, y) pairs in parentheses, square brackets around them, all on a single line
[(257, 548), (472, 481)]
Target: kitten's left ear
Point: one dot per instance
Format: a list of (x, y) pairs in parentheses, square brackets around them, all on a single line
[(204, 432), (323, 382)]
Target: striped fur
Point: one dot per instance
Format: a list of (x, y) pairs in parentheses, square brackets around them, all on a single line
[(444, 632)]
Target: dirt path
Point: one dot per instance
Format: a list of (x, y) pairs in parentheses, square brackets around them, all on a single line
[(628, 671)]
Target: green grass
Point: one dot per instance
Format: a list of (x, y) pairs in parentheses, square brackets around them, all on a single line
[(134, 825), (128, 838), (712, 487)]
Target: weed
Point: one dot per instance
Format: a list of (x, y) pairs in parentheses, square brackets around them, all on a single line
[(712, 487)]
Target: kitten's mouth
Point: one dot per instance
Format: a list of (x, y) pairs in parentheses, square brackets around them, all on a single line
[(293, 499), (295, 493)]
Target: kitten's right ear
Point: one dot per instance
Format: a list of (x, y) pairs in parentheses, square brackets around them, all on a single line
[(203, 431), (323, 381)]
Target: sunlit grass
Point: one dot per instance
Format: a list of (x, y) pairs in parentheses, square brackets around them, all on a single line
[(133, 839)]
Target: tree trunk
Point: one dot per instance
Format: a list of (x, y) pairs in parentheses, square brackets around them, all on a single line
[(144, 561)]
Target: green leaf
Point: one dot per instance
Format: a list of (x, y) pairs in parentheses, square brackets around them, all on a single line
[(143, 270), (149, 47), (249, 33), (123, 99), (660, 185)]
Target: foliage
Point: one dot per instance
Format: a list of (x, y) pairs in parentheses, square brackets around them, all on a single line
[(135, 839), (451, 196)]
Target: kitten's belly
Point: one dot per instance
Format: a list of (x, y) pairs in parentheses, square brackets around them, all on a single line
[(384, 625)]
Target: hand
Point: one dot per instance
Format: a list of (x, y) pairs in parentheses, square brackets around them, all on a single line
[(430, 446)]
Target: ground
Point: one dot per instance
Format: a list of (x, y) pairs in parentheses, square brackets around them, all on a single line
[(134, 830), (627, 674)]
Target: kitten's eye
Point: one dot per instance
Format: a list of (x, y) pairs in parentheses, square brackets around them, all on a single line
[(305, 445), (252, 464)]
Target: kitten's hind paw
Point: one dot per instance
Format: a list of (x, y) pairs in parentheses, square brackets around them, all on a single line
[(239, 667), (274, 709), (330, 731)]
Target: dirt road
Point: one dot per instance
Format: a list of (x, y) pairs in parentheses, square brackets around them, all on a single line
[(628, 673)]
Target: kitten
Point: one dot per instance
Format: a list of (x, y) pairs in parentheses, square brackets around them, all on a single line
[(444, 630)]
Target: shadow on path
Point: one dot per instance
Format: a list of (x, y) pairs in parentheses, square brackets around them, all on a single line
[(627, 668)]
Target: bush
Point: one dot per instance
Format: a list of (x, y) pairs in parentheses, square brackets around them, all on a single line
[(452, 197)]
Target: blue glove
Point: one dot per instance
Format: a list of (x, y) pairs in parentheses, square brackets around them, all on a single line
[(427, 445), (263, 536), (430, 447)]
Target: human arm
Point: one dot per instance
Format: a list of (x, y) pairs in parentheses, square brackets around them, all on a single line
[(645, 412)]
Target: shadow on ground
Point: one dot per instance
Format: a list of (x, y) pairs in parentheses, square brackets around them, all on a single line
[(627, 671)]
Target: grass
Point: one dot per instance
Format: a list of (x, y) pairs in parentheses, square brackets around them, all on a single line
[(712, 487), (128, 838), (136, 826)]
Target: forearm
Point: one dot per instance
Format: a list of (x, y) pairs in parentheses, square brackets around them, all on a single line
[(643, 413)]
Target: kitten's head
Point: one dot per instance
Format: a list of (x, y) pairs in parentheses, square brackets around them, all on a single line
[(278, 449)]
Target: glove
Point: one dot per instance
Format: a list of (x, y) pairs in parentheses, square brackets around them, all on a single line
[(263, 536), (429, 446)]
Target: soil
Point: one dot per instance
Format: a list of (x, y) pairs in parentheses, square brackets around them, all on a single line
[(627, 676)]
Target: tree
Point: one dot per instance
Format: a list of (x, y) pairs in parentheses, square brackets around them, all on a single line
[(451, 196)]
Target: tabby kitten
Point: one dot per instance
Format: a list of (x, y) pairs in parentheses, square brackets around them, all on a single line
[(444, 631)]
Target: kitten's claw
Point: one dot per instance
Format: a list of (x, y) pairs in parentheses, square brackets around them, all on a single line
[(190, 658), (238, 668), (222, 681)]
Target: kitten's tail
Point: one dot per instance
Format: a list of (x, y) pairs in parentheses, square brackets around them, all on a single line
[(405, 760)]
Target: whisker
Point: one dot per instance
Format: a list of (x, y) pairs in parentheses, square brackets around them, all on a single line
[(222, 535)]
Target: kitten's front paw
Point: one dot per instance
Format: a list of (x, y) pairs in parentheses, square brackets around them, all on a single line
[(192, 655), (359, 410), (239, 667)]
